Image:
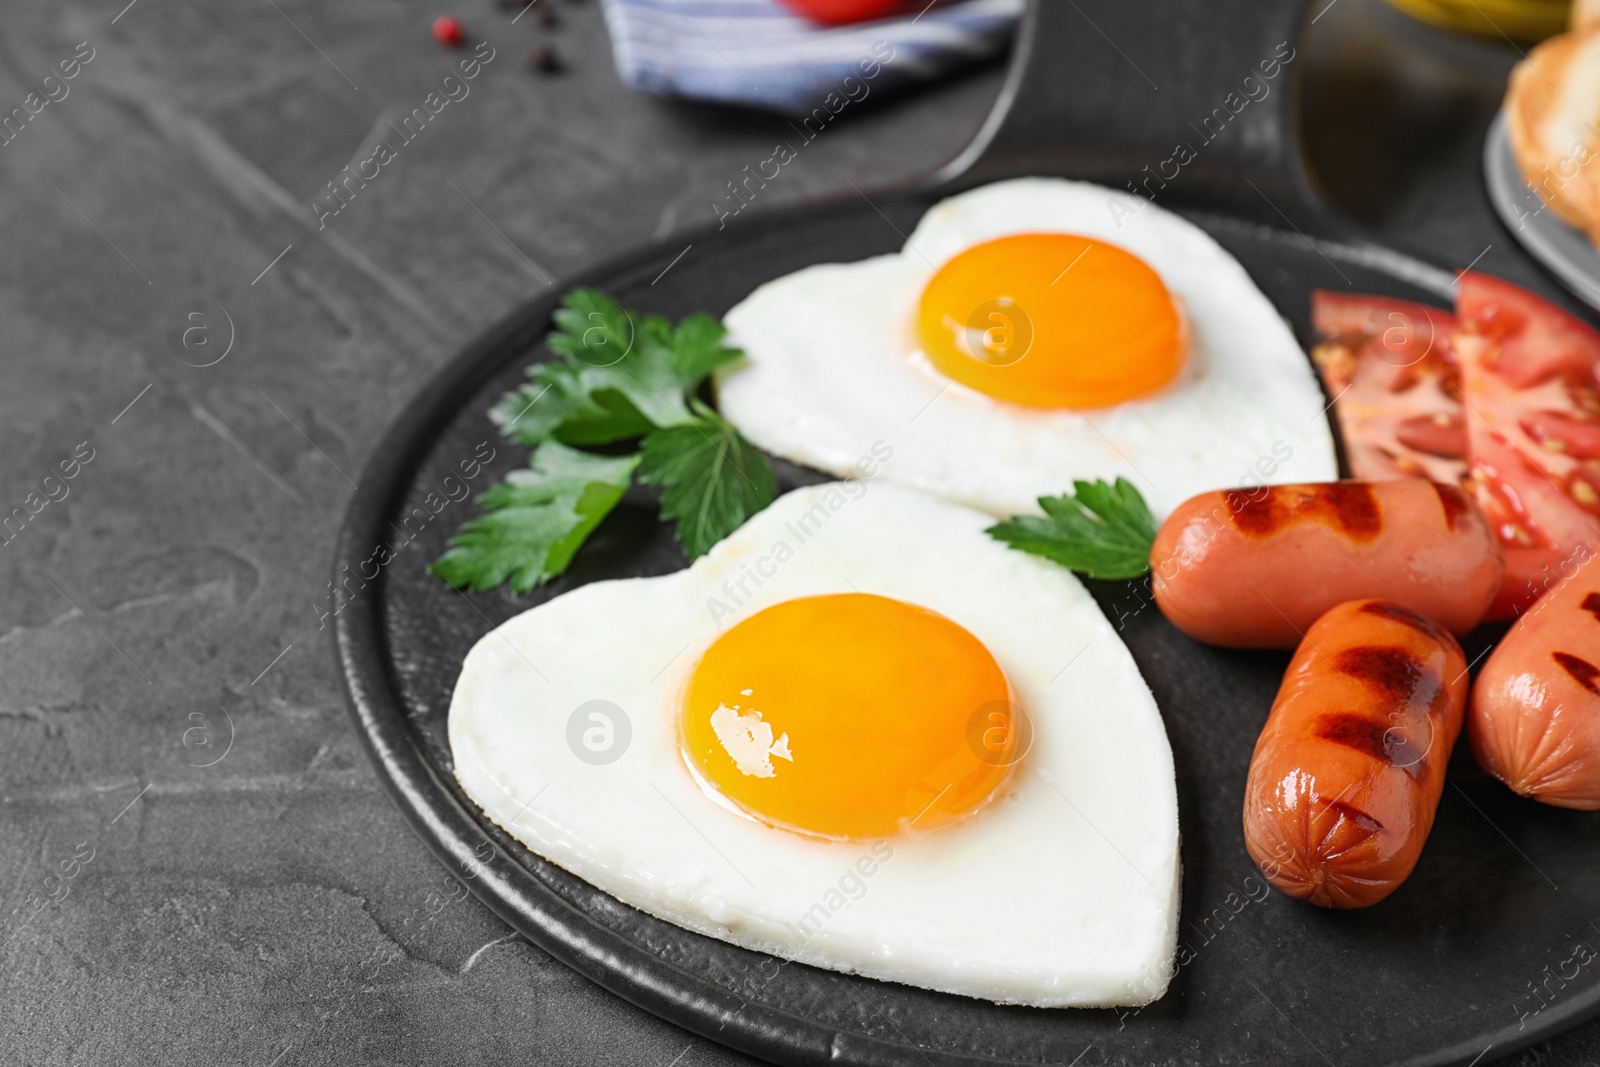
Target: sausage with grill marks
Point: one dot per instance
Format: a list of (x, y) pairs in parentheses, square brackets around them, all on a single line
[(1535, 718), (1252, 568), (1348, 771)]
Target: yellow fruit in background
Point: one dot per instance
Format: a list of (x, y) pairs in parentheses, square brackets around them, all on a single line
[(1516, 20)]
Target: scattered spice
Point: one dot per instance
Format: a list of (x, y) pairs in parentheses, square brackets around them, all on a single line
[(543, 58)]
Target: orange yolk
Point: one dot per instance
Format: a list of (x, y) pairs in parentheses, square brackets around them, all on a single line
[(1052, 320), (849, 716)]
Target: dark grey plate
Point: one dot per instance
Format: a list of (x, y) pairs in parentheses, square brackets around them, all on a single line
[(1473, 957), (1567, 253)]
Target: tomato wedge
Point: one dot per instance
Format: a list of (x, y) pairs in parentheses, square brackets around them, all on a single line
[(1532, 409), (1392, 370)]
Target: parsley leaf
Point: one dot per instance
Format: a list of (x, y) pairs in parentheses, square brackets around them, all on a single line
[(616, 375), (560, 405), (1104, 531), (713, 478), (592, 329), (697, 350), (536, 519)]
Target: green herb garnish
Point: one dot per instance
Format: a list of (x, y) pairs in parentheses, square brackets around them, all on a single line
[(536, 519), (713, 479), (1101, 530), (616, 377)]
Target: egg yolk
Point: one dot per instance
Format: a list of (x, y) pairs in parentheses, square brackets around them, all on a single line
[(849, 716), (1052, 320)]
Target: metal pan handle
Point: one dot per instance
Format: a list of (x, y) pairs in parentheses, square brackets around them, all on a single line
[(1182, 101)]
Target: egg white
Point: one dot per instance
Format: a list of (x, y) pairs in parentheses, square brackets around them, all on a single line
[(833, 366), (1062, 891)]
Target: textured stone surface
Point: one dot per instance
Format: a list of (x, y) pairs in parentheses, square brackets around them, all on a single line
[(272, 908)]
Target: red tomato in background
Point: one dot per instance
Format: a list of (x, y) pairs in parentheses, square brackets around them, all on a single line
[(1391, 367), (840, 12), (1530, 376)]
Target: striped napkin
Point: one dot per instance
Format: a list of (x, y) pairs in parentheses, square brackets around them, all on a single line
[(759, 53)]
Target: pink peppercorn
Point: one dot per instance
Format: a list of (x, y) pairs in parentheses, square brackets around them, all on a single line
[(447, 30)]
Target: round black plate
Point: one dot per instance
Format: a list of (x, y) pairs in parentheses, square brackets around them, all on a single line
[(1485, 949)]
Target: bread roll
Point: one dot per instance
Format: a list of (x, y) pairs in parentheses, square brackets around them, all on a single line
[(1553, 116)]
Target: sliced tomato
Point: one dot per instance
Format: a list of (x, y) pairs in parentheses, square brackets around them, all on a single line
[(1557, 430), (1529, 382), (1536, 340), (840, 12), (1392, 372)]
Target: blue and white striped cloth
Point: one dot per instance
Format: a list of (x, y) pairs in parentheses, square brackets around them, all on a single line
[(759, 53)]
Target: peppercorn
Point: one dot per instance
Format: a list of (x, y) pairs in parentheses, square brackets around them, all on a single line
[(543, 58), (448, 31)]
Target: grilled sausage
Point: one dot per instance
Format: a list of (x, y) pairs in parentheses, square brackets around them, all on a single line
[(1348, 771), (1253, 568), (1535, 718)]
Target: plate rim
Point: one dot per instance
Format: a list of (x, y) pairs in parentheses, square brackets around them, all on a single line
[(1504, 182)]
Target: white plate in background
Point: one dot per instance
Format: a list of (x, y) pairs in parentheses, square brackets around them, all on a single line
[(1564, 250)]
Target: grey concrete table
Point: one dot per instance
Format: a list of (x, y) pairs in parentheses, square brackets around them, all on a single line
[(271, 908)]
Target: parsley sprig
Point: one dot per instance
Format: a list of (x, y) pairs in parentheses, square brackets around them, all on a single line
[(1102, 530), (616, 377)]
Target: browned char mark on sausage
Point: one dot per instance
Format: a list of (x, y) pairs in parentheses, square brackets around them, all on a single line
[(1583, 672), (1406, 617), (1394, 672), (1372, 738), (1591, 604), (1455, 503), (1355, 731), (1354, 814), (1350, 507), (1400, 685)]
